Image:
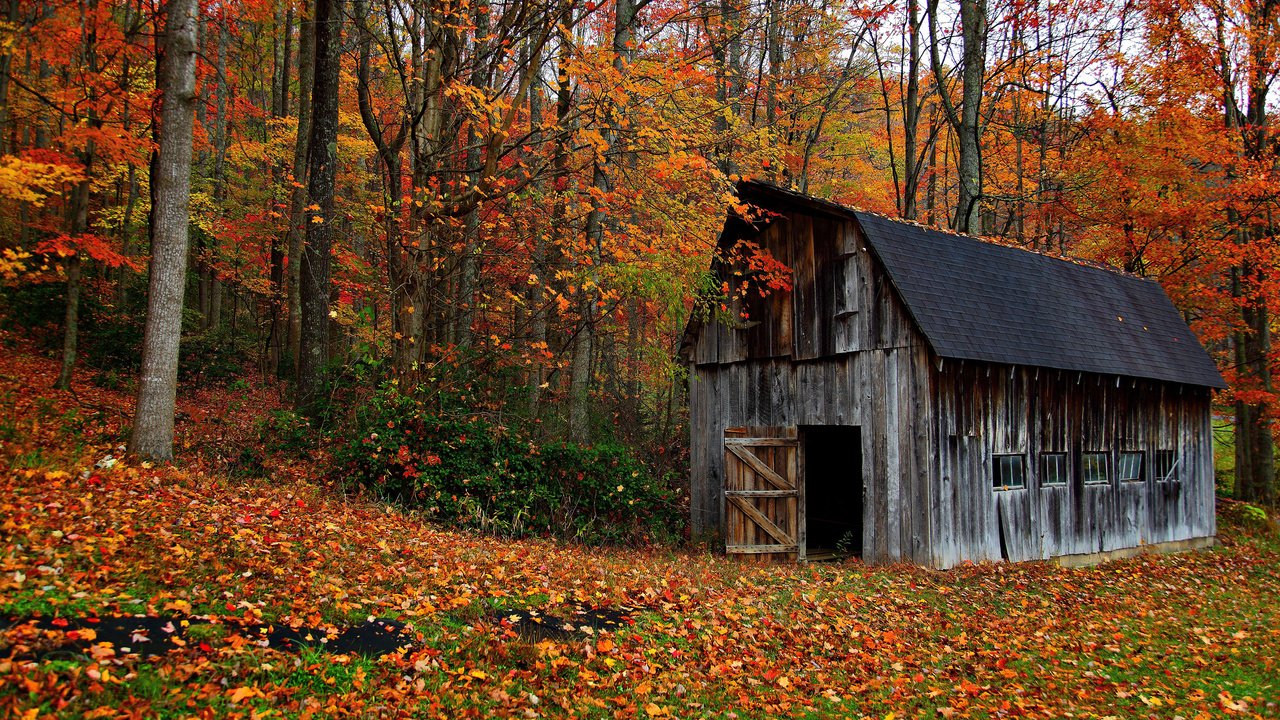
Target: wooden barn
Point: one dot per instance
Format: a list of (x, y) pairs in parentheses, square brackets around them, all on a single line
[(928, 397)]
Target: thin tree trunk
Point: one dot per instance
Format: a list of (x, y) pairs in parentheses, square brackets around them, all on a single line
[(773, 37), (216, 292), (911, 116), (70, 324), (297, 221), (973, 24), (585, 341), (470, 270), (965, 120), (728, 56), (79, 217), (389, 151), (152, 434), (323, 160), (220, 144), (275, 334), (6, 61), (280, 101)]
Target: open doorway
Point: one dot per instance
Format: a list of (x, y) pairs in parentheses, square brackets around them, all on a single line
[(832, 490)]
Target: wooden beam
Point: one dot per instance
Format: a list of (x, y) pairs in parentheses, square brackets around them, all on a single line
[(762, 493), (765, 523), (761, 442), (764, 471), (759, 549)]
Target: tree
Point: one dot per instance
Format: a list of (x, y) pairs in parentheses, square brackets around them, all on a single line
[(319, 217), (152, 434), (966, 120), (1253, 68)]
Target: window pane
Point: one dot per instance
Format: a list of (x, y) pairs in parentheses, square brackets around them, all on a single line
[(1093, 467), (1163, 465), (1130, 466), (1053, 469), (1009, 471)]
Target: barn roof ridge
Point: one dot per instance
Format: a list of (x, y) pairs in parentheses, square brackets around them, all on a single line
[(855, 211), (984, 301)]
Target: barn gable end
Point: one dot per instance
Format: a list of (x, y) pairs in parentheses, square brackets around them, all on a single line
[(898, 359)]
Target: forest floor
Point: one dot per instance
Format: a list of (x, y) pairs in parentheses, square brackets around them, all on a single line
[(226, 556)]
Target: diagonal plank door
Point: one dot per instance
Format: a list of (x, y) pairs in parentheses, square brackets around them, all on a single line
[(762, 496)]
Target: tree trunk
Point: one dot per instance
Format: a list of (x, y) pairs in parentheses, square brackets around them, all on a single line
[(79, 224), (152, 434), (773, 39), (911, 116), (322, 171), (470, 265), (560, 174), (1255, 447), (728, 57), (973, 26), (220, 144), (6, 60), (70, 323), (966, 120), (584, 342), (79, 220), (389, 151), (306, 73), (276, 333)]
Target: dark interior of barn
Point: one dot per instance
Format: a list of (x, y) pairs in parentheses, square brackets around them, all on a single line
[(833, 490)]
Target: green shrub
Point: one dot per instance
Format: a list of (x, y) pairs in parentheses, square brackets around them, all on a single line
[(287, 431), (1247, 516), (476, 474)]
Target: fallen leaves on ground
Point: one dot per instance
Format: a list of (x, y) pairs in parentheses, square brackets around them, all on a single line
[(1193, 635)]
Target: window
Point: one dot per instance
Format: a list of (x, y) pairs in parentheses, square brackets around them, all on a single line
[(1164, 465), (1053, 469), (1093, 467), (1010, 471), (1130, 467)]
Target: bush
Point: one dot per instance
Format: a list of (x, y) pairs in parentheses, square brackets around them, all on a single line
[(287, 431), (476, 474)]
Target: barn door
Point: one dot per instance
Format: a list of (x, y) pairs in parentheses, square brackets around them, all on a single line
[(762, 494)]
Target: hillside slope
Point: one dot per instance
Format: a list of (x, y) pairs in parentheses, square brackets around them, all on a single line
[(223, 549)]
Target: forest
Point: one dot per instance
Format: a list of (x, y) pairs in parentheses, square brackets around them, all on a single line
[(506, 212), (341, 376)]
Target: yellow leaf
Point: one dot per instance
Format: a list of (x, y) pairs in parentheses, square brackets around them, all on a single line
[(241, 694)]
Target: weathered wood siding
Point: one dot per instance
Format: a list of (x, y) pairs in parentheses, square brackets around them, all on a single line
[(798, 367), (873, 389), (985, 410)]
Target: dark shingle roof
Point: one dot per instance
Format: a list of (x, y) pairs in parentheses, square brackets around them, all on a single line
[(979, 301), (975, 300)]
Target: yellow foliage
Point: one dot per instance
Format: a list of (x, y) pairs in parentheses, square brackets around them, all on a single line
[(33, 182), (12, 264)]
